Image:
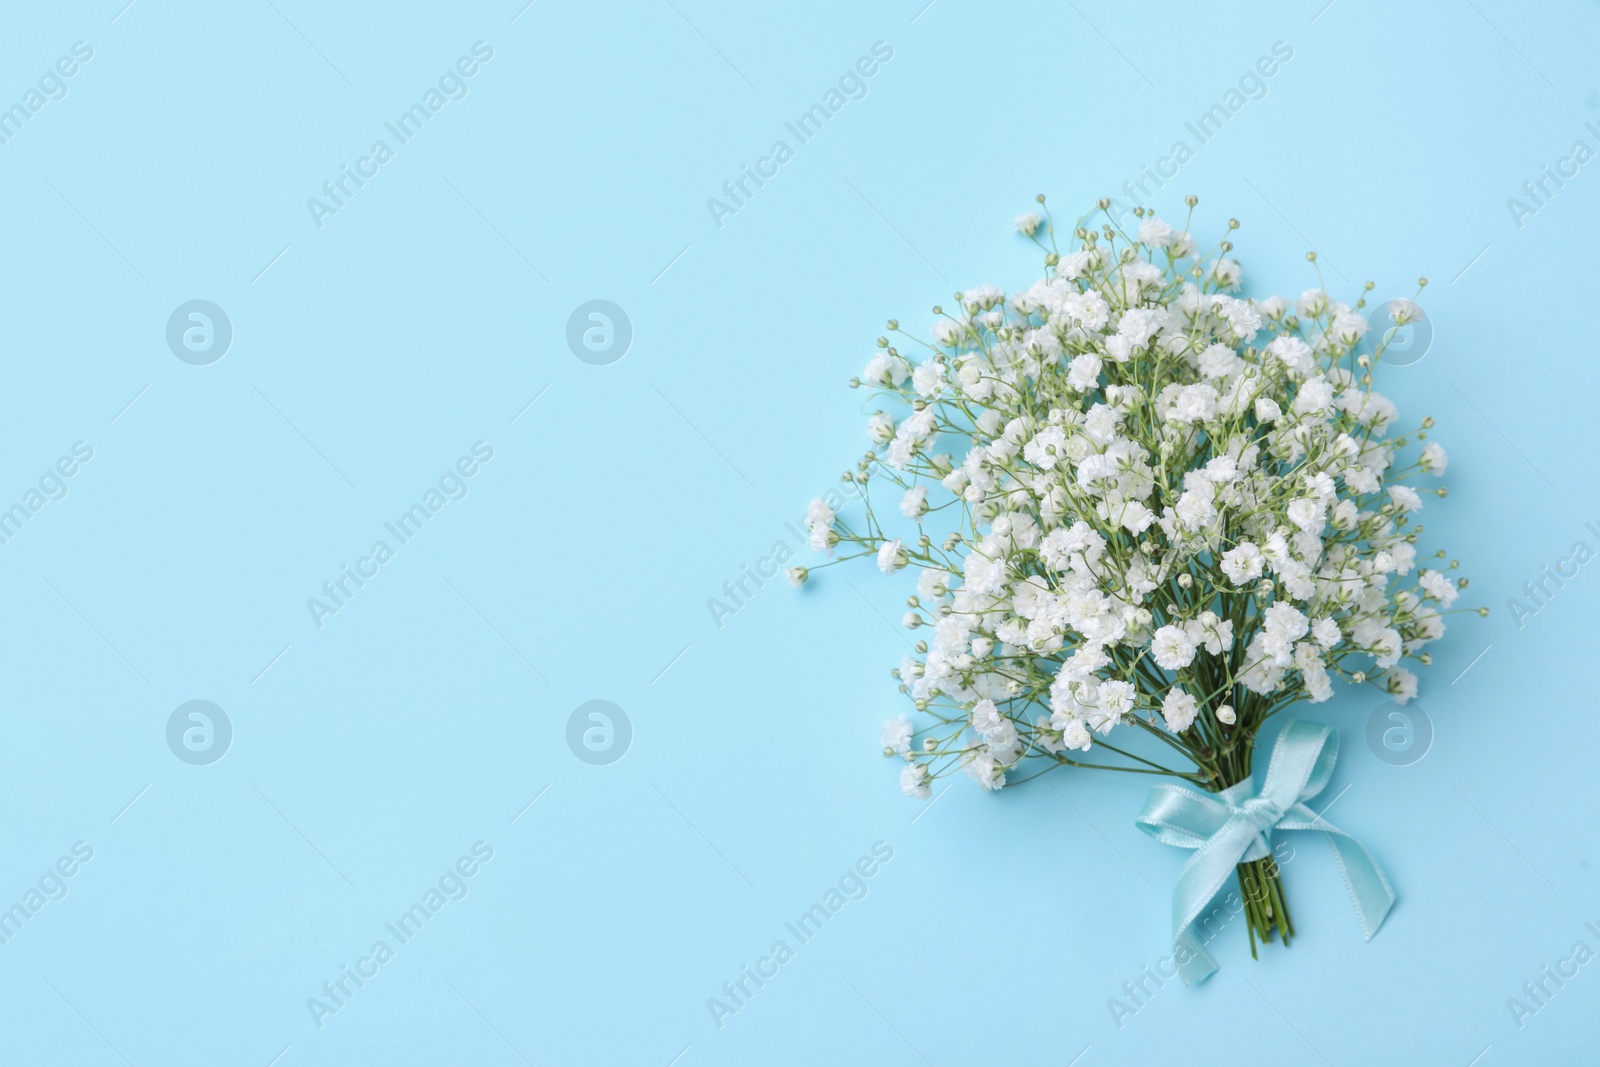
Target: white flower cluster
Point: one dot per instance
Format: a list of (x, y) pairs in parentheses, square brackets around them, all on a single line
[(1169, 508)]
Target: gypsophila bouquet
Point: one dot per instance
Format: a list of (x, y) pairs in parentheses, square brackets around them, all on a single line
[(1143, 505)]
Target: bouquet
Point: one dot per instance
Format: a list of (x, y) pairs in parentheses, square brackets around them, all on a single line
[(1146, 505)]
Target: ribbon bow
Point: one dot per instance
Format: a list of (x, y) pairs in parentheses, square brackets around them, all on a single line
[(1235, 826)]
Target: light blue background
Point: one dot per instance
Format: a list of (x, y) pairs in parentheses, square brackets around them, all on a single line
[(371, 353)]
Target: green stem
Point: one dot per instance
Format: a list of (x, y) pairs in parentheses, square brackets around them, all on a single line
[(1266, 907)]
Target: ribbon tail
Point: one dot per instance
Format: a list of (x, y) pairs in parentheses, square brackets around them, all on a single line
[(1198, 883), (1195, 964), (1370, 892)]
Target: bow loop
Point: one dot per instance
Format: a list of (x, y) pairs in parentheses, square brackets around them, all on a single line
[(1235, 826)]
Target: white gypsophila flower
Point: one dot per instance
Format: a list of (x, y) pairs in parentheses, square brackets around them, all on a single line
[(1242, 563), (1179, 709), (1438, 587), (946, 332), (896, 736), (1131, 488), (986, 718), (1402, 311), (1433, 458), (1171, 648), (1401, 683), (1155, 232)]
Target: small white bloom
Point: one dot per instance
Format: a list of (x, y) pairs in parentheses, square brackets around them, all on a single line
[(1048, 447), (891, 556), (1433, 459), (1219, 361), (1439, 587), (896, 735), (1083, 373), (1077, 736), (928, 378), (1401, 683), (987, 719), (1402, 311), (1178, 709), (1155, 232), (1242, 563), (1171, 648), (1405, 498)]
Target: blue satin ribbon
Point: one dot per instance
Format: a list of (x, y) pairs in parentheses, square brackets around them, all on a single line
[(1235, 826)]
